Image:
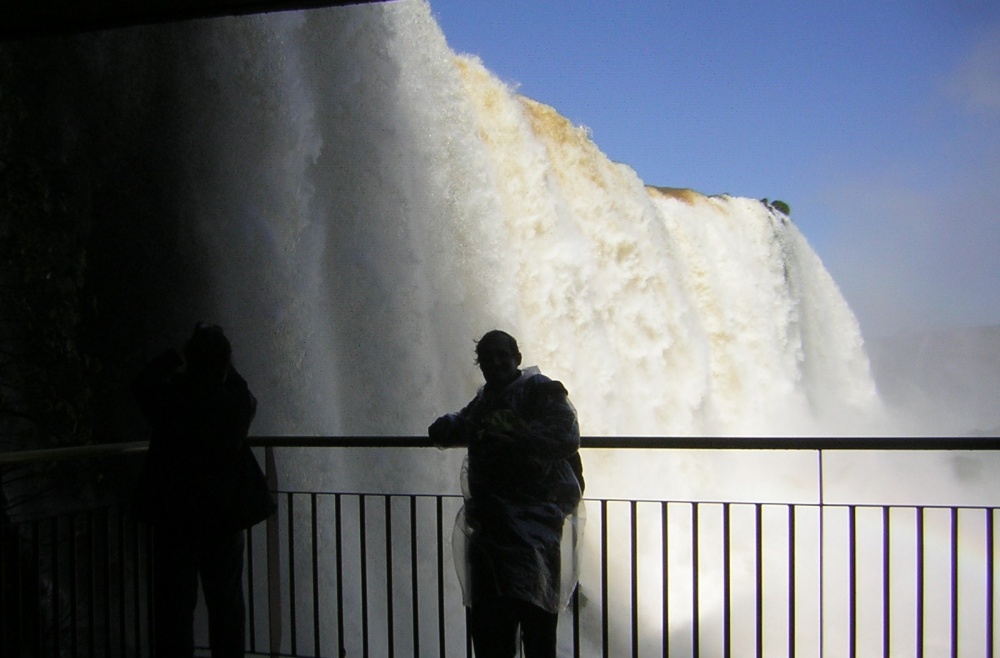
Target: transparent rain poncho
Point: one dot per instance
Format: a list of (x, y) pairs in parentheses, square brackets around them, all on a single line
[(519, 532)]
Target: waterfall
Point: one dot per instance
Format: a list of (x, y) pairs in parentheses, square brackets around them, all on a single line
[(356, 203), (372, 202)]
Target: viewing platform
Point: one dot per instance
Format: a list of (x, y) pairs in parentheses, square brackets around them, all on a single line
[(693, 547)]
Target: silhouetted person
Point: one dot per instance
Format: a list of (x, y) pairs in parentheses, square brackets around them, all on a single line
[(199, 491), (516, 538)]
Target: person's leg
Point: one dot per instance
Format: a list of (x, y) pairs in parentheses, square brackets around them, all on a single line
[(538, 631), (222, 584), (175, 593), (494, 628)]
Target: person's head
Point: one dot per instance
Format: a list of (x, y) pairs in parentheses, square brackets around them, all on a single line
[(208, 352), (498, 357)]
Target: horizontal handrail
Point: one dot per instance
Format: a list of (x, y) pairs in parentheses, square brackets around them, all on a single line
[(666, 443), (73, 452), (589, 442)]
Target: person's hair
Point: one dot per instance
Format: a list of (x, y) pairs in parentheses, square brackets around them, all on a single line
[(497, 336), (208, 351)]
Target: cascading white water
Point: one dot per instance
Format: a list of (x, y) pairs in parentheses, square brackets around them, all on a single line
[(376, 202)]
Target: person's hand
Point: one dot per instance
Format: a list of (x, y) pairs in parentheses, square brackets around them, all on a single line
[(439, 430), (449, 431)]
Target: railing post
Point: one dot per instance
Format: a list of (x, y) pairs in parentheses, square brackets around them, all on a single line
[(990, 585), (822, 550), (273, 561)]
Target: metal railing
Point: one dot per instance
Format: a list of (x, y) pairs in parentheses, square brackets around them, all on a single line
[(781, 548)]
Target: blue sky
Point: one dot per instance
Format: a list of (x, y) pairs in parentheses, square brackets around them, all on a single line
[(877, 121)]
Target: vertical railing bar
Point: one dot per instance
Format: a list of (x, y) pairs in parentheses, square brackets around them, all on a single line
[(339, 542), (363, 536), (26, 643), (147, 541), (95, 577), (292, 621), (664, 541), (314, 522), (19, 582), (36, 558), (576, 621), (123, 586), (85, 585), (101, 533), (414, 585), (91, 578), (273, 530), (791, 581), (95, 584), (251, 599), (91, 550), (886, 582), (920, 582), (634, 621), (131, 567), (604, 580), (954, 582), (695, 583), (5, 585), (107, 580), (92, 594), (98, 608), (390, 621), (439, 518), (100, 579), (852, 579), (990, 583), (759, 532), (55, 586), (468, 635), (10, 584), (822, 551), (137, 584), (727, 620), (74, 648)]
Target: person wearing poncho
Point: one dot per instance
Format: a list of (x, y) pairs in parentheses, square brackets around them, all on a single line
[(517, 537)]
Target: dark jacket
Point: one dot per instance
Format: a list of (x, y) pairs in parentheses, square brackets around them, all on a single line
[(196, 472)]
